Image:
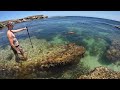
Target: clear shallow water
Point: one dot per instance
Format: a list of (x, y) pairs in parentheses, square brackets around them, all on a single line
[(95, 34)]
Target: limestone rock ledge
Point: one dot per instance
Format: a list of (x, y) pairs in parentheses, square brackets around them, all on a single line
[(101, 73)]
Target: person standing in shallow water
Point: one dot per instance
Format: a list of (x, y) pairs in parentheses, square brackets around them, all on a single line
[(15, 46)]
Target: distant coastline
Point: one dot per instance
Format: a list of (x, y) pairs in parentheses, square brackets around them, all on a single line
[(29, 18)]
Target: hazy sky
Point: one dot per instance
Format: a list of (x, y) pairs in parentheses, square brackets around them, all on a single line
[(8, 15)]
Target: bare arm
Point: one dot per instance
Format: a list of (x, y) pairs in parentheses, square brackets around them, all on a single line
[(18, 30)]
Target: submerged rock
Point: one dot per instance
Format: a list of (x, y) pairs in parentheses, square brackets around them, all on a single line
[(113, 53), (71, 32), (63, 55), (101, 73), (70, 53)]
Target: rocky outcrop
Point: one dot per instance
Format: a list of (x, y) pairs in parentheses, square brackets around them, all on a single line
[(101, 73), (1, 25), (70, 53), (25, 19), (117, 26), (32, 18), (113, 53), (63, 55)]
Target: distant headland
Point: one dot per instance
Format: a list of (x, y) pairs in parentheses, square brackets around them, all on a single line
[(29, 18)]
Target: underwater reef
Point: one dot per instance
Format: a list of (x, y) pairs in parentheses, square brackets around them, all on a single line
[(55, 56), (101, 73), (113, 53)]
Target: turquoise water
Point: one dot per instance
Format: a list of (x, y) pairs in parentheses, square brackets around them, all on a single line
[(95, 34)]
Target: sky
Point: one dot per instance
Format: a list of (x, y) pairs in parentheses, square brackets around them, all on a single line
[(8, 15)]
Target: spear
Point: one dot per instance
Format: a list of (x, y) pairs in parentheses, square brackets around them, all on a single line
[(29, 37)]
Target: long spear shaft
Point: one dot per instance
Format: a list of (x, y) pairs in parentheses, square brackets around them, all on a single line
[(29, 37)]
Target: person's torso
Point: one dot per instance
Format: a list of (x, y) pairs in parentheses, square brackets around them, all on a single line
[(15, 41)]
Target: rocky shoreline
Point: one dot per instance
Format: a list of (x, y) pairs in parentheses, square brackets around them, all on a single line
[(29, 18)]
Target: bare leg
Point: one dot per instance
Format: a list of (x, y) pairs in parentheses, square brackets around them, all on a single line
[(17, 59), (22, 53)]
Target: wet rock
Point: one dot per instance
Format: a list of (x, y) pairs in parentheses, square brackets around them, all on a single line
[(68, 55), (101, 73)]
